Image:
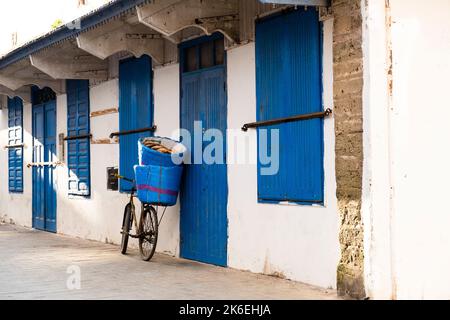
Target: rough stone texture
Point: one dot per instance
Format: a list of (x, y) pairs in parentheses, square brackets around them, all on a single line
[(348, 87)]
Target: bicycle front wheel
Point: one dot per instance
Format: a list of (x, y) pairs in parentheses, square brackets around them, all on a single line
[(126, 227), (148, 228)]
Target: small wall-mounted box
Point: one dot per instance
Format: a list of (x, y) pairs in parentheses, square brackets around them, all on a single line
[(112, 180)]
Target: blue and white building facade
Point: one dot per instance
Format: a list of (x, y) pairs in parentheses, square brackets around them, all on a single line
[(158, 66)]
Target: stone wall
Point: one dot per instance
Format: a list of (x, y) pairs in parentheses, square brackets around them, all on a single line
[(348, 87)]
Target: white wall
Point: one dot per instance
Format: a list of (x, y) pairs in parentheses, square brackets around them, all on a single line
[(166, 88), (16, 205), (98, 217), (421, 51), (376, 199), (297, 242), (409, 255)]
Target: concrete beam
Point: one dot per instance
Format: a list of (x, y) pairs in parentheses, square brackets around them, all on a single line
[(17, 83), (22, 73), (65, 66), (170, 17), (24, 93), (3, 101), (121, 36)]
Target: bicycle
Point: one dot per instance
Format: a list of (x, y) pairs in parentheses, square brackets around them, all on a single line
[(146, 231)]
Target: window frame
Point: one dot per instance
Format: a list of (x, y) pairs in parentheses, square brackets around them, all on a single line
[(196, 45)]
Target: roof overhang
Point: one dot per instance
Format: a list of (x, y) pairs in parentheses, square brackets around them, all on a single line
[(82, 48), (150, 21), (72, 30)]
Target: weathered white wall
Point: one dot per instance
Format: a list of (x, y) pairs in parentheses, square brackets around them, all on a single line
[(16, 205), (98, 217), (297, 242), (407, 220), (421, 50), (166, 88), (376, 200)]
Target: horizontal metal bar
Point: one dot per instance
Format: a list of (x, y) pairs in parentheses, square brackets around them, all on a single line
[(125, 133), (299, 2), (13, 146), (123, 178), (300, 117), (291, 201), (44, 164), (84, 136)]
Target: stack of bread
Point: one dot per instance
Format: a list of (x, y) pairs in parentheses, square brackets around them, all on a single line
[(155, 145)]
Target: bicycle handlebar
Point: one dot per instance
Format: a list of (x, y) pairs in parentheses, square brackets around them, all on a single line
[(124, 178)]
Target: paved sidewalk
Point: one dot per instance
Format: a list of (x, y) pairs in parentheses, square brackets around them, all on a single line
[(33, 265)]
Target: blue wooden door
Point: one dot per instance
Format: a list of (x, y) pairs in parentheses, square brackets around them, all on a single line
[(136, 111), (44, 179), (204, 225)]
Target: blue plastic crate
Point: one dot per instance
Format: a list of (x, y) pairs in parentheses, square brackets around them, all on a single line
[(158, 185), (150, 157)]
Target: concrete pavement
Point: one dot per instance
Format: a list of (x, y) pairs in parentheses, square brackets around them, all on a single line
[(40, 265)]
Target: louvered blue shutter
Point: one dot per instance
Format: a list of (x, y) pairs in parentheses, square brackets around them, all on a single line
[(78, 150), (15, 138), (289, 82), (136, 111)]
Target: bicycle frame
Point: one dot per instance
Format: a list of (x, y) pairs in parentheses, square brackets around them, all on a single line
[(144, 232), (133, 207)]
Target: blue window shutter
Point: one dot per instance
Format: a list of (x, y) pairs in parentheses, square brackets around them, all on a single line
[(15, 137), (78, 124), (136, 111), (289, 82)]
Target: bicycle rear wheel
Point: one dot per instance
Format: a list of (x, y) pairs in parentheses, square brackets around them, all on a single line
[(148, 228), (126, 225)]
